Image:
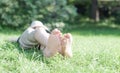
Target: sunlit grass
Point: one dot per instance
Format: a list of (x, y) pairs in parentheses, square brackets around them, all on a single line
[(94, 51)]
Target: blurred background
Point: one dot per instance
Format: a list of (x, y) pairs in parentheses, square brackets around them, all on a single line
[(68, 14), (94, 24)]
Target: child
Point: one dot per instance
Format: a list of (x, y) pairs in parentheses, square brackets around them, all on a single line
[(50, 43)]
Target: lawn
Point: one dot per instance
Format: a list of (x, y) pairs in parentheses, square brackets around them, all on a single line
[(95, 50)]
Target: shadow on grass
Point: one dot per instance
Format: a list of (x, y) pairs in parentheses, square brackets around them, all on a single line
[(90, 28), (32, 54)]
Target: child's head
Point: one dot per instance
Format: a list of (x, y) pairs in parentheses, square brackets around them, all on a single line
[(36, 23)]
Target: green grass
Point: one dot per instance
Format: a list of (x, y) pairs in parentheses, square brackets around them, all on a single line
[(95, 50)]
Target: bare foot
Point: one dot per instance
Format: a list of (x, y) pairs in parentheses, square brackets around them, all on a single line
[(66, 45), (53, 45)]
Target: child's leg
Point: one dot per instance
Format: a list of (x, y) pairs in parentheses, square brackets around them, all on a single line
[(66, 45)]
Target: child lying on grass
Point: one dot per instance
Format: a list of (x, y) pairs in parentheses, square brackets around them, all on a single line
[(50, 43)]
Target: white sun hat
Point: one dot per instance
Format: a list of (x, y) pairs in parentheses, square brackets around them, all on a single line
[(38, 24)]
